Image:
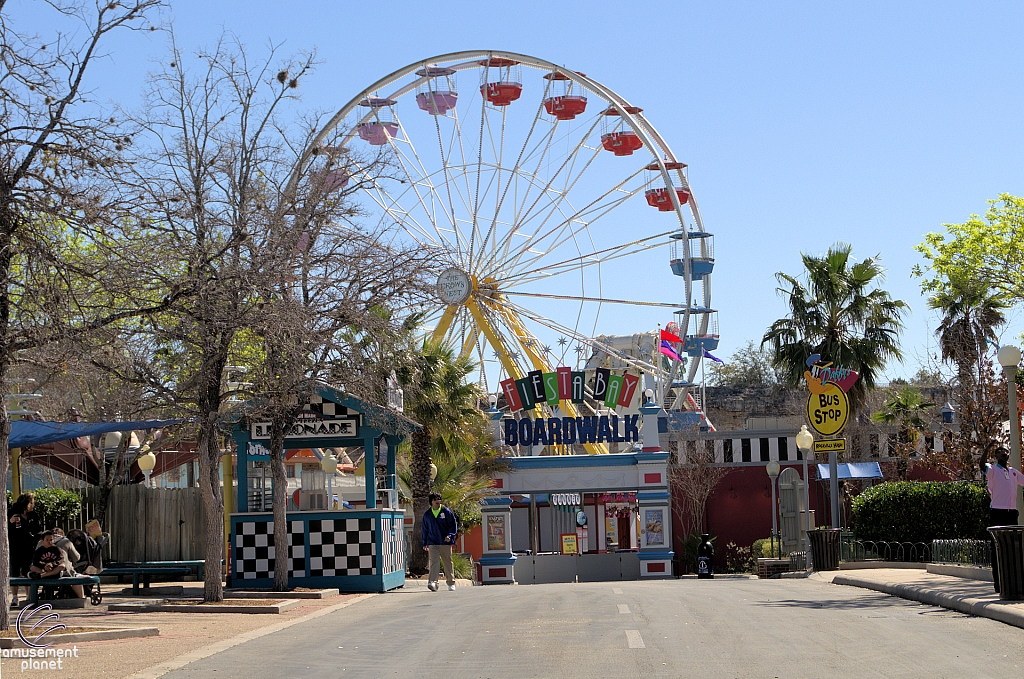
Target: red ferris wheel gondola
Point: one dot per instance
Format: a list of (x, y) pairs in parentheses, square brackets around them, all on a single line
[(618, 141), (509, 84), (565, 102)]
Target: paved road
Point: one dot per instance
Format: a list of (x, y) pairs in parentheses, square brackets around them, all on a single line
[(678, 628)]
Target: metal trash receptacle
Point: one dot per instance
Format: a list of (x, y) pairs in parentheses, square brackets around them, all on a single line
[(825, 548), (1009, 554)]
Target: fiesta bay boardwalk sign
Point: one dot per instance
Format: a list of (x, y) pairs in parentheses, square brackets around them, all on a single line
[(568, 385)]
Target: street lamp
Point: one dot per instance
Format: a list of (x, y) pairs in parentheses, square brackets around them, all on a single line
[(147, 463), (804, 441), (329, 464), (1009, 358), (773, 473)]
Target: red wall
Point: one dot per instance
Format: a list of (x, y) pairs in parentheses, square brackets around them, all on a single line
[(740, 510)]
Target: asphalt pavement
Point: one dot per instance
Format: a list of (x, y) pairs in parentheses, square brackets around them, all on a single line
[(728, 627)]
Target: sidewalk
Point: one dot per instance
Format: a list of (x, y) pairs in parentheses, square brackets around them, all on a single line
[(974, 597)]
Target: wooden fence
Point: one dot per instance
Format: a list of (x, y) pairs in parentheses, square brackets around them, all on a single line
[(149, 524)]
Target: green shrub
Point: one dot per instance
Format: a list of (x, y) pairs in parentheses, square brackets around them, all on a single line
[(921, 511), (463, 566), (739, 559), (56, 506)]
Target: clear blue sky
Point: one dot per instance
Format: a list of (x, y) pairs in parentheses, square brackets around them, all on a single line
[(802, 123)]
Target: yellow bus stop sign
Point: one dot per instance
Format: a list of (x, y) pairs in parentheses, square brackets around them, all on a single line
[(828, 412)]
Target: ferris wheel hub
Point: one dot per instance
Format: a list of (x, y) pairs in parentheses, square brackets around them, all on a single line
[(454, 286)]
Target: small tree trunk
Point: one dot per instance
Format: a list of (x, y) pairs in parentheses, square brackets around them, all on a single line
[(5, 549), (213, 502), (418, 561), (280, 502)]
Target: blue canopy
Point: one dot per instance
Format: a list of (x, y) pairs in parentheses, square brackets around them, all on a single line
[(25, 434), (852, 470)]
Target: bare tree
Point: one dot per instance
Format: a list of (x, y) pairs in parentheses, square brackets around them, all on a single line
[(59, 210), (693, 477), (331, 317)]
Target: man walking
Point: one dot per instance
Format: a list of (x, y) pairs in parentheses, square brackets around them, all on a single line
[(439, 528), (1002, 481)]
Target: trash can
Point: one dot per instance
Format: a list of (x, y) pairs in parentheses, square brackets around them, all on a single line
[(705, 557), (1009, 557), (825, 548)]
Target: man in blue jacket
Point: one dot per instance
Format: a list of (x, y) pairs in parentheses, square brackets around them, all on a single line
[(439, 528)]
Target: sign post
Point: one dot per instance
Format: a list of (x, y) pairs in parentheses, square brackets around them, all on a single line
[(828, 410)]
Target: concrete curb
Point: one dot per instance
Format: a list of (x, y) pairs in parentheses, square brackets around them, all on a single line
[(257, 594), (959, 571), (81, 637), (224, 644), (285, 605), (1011, 614)]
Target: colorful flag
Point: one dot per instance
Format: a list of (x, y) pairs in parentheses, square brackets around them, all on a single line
[(629, 383), (707, 354), (601, 376), (666, 336), (667, 349)]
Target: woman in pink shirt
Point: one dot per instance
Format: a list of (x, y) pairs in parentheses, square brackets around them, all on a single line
[(1002, 481)]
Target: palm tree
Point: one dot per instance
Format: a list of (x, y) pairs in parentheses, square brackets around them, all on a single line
[(904, 408), (840, 313), (446, 405), (971, 312)]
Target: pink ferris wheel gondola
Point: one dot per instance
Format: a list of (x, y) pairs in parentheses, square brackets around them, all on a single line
[(438, 94), (377, 132)]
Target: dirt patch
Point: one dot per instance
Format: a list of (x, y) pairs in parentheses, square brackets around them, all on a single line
[(10, 633), (232, 602)]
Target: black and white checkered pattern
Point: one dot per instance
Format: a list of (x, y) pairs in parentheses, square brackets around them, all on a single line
[(330, 409), (342, 547), (254, 550), (392, 544)]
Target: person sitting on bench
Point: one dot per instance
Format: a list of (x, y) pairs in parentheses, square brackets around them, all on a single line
[(48, 562)]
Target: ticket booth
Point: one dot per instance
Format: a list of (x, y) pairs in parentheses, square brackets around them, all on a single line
[(354, 550)]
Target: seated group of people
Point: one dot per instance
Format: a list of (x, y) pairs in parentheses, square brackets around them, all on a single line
[(35, 554)]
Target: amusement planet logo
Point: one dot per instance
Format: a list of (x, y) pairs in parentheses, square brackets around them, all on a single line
[(37, 654), (26, 616)]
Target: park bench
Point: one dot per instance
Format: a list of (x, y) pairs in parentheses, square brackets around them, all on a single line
[(144, 573), (53, 583), (196, 564)]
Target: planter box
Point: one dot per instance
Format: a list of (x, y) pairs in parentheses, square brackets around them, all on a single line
[(80, 637)]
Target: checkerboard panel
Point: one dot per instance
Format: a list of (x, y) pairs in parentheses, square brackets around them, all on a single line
[(342, 547), (393, 544), (254, 550)]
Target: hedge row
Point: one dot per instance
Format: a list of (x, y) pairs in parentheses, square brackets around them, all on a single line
[(921, 511)]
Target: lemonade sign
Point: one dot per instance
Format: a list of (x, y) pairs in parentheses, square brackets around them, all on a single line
[(828, 407)]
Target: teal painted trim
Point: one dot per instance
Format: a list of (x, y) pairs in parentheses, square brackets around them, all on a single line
[(348, 584), (655, 556), (497, 560), (570, 461), (393, 580), (651, 457), (496, 502), (652, 495)]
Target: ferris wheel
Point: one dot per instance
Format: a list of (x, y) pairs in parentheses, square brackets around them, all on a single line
[(543, 197)]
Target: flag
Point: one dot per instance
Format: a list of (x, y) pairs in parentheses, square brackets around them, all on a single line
[(707, 354), (667, 349), (666, 336)]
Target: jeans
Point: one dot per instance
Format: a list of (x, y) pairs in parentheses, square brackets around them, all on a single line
[(437, 554), (999, 517)]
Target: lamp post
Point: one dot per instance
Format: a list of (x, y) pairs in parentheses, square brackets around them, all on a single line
[(329, 464), (1009, 358), (804, 441), (773, 473), (147, 462)]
